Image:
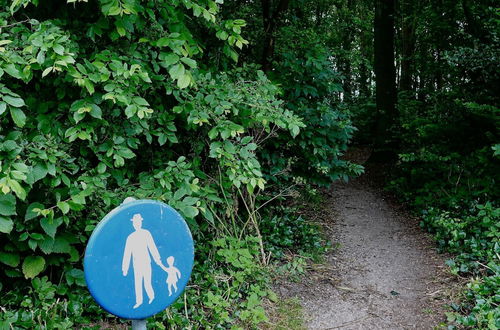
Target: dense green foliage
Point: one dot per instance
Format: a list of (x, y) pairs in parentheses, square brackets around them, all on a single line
[(443, 136), (291, 232), (449, 132), (100, 100)]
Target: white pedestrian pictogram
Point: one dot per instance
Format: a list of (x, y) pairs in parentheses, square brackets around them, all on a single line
[(139, 246), (173, 275)]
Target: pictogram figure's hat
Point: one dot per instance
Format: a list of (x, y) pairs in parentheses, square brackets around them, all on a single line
[(137, 217)]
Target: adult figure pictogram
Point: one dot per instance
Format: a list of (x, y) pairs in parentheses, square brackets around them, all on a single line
[(138, 247)]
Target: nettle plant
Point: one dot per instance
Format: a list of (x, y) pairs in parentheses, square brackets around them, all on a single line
[(102, 100)]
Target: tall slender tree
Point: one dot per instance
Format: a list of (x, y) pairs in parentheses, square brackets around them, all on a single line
[(408, 17), (385, 73), (271, 12), (346, 12)]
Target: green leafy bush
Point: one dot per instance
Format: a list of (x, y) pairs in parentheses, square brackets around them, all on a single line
[(102, 100), (481, 307), (309, 84), (449, 173), (474, 238), (283, 230), (229, 286)]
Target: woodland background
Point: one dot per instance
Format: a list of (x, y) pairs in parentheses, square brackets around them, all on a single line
[(236, 113)]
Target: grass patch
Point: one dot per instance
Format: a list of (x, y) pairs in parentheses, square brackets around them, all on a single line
[(286, 315)]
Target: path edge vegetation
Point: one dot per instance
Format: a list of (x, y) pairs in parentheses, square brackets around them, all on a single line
[(437, 123)]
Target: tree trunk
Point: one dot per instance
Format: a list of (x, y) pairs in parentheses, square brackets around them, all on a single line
[(364, 90), (408, 41), (385, 75), (366, 50), (270, 19), (472, 25), (347, 39)]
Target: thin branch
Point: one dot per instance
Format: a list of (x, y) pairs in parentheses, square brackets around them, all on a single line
[(14, 24)]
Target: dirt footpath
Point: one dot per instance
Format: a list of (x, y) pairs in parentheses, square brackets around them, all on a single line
[(384, 272)]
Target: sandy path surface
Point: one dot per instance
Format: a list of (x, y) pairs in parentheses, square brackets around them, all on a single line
[(384, 274)]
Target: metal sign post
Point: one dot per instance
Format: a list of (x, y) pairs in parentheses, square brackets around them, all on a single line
[(138, 260), (138, 324)]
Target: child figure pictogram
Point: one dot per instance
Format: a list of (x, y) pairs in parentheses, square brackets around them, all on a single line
[(173, 275)]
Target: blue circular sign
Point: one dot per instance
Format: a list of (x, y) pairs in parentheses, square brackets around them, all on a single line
[(139, 259)]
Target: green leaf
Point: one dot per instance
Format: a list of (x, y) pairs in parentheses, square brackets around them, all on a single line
[(12, 273), (36, 236), (212, 134), (246, 139), (10, 259), (47, 71), (131, 110), (77, 105), (39, 172), (40, 58), (179, 194), (14, 101), (46, 245), (17, 189), (89, 86), (101, 168), (121, 30), (32, 244), (233, 55), (63, 206), (61, 245), (7, 205), (125, 153), (75, 276), (177, 71), (162, 42), (162, 138), (32, 266), (58, 49), (18, 175), (222, 35), (50, 226), (30, 213), (77, 116), (18, 117), (12, 70), (65, 180), (74, 254), (171, 59), (184, 81), (140, 101), (3, 107), (96, 111), (190, 62), (6, 225), (189, 211), (20, 167)]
